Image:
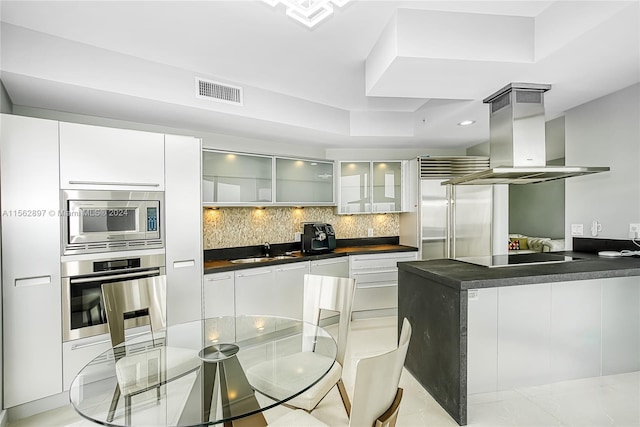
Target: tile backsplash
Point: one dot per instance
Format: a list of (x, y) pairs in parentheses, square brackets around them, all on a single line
[(231, 227)]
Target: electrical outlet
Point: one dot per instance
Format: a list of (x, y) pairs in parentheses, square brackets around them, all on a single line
[(297, 237), (370, 232), (634, 231), (577, 229)]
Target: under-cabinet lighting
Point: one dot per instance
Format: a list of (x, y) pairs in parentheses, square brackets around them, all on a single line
[(466, 123)]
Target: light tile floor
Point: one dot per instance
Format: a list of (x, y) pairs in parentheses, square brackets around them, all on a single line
[(593, 402)]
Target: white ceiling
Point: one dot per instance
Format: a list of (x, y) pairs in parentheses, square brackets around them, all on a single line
[(375, 74)]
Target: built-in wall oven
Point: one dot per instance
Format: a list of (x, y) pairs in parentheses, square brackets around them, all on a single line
[(102, 220), (83, 312)]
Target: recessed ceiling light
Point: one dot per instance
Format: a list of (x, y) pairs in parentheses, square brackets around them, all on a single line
[(466, 123)]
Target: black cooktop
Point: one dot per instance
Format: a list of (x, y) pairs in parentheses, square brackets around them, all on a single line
[(493, 261)]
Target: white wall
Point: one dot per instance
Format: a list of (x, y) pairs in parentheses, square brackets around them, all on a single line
[(209, 140), (388, 153), (5, 102), (604, 132)]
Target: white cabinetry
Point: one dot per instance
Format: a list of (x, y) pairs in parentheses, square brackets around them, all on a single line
[(100, 158), (482, 340), (544, 333), (524, 325), (274, 291), (377, 279), (236, 179), (371, 187), (336, 267), (219, 294), (183, 227), (77, 354), (254, 292), (289, 284), (32, 332), (305, 182)]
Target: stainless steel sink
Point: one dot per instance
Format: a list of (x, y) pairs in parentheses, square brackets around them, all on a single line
[(260, 259), (250, 260)]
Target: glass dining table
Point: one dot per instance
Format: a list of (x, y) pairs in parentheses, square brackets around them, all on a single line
[(195, 373)]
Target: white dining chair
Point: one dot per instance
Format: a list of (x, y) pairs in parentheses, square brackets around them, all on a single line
[(276, 378), (376, 397), (148, 369)]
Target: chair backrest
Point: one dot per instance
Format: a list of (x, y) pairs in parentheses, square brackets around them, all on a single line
[(377, 379), (330, 293), (134, 298)]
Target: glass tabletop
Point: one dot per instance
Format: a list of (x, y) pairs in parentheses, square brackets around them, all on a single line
[(204, 372)]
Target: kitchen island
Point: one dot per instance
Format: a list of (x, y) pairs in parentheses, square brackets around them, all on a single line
[(480, 329)]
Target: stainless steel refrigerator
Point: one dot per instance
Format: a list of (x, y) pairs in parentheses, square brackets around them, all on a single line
[(455, 221)]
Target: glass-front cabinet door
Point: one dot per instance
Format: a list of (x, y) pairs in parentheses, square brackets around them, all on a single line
[(355, 187), (305, 182), (371, 187), (229, 178), (387, 187)]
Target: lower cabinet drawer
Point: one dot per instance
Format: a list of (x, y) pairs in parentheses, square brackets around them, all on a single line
[(78, 353), (375, 298), (365, 277)]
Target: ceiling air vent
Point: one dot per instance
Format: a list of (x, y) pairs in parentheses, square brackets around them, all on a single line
[(451, 166), (214, 91)]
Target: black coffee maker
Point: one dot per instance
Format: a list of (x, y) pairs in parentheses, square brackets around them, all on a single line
[(318, 237)]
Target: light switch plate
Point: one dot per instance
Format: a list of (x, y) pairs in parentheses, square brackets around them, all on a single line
[(577, 229), (370, 232)]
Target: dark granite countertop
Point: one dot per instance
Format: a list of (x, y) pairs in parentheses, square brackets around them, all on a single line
[(218, 266), (463, 276)]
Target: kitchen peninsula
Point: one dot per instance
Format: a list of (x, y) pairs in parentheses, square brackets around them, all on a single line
[(479, 329)]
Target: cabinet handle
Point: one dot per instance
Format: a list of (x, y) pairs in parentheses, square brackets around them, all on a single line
[(94, 343), (316, 264), (252, 274), (375, 271), (217, 279), (132, 184), (376, 285), (300, 267), (184, 264), (33, 281)]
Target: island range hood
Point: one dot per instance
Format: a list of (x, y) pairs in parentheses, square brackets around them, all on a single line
[(517, 141)]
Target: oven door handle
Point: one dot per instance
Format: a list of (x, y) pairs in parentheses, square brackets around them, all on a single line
[(126, 276)]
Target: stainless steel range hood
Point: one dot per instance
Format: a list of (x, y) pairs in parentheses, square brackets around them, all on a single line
[(517, 141)]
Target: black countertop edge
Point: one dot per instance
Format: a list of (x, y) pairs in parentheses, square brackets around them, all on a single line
[(281, 248), (299, 257), (464, 276)]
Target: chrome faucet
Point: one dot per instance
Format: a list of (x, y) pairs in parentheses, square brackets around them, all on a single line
[(266, 248)]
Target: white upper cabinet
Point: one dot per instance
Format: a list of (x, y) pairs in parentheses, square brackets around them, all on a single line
[(236, 179), (355, 187), (100, 158), (387, 187), (371, 187), (308, 182)]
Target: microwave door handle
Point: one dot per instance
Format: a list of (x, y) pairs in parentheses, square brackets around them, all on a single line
[(125, 276)]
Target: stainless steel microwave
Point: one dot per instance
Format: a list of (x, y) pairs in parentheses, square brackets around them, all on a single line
[(101, 221)]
